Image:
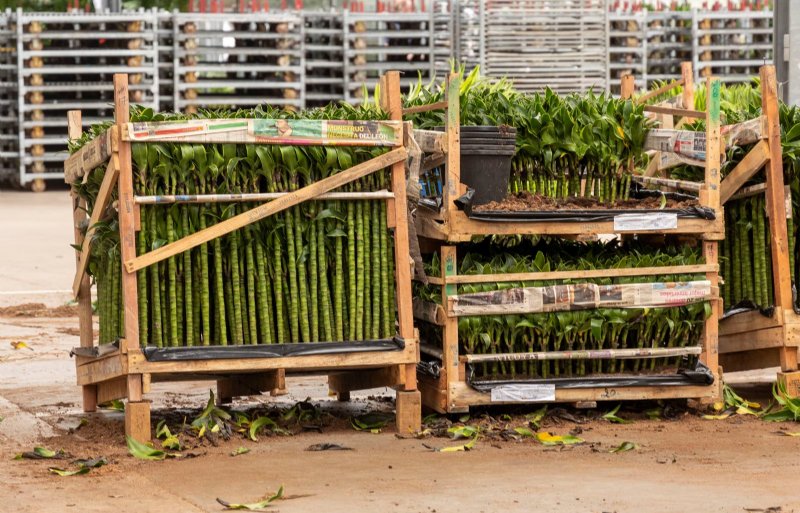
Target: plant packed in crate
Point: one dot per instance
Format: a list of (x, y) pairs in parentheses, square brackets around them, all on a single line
[(319, 271), (579, 145), (746, 258), (603, 328)]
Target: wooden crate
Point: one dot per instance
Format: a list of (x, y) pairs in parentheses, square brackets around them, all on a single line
[(450, 391), (124, 372), (751, 340)]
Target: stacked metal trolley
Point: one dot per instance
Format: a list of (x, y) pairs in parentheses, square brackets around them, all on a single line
[(652, 44), (65, 61), (324, 55), (9, 137)]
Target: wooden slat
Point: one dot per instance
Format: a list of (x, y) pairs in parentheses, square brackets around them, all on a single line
[(463, 396), (667, 182), (675, 112), (452, 177), (257, 213), (782, 284), (79, 216), (747, 167), (450, 362), (627, 86), (425, 108), (659, 91), (103, 197), (137, 363), (571, 275), (90, 156)]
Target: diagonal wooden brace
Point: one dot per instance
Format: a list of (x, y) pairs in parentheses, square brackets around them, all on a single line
[(103, 197), (262, 211)]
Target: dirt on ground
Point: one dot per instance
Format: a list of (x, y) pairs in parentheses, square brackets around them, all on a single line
[(39, 310), (528, 202), (678, 462)]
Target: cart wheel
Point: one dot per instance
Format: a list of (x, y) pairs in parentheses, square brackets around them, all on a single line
[(38, 185)]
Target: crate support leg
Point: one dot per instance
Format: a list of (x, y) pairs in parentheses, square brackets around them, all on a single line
[(79, 217), (137, 411), (408, 405), (409, 409)]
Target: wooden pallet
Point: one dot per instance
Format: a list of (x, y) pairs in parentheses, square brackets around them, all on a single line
[(126, 373), (450, 390)]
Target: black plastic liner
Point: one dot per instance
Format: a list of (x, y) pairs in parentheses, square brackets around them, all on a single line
[(176, 354), (700, 375), (748, 306), (579, 216)]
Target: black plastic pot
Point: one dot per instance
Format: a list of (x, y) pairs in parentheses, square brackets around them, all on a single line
[(486, 153)]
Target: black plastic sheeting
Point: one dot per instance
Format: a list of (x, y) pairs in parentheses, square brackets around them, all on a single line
[(177, 354), (700, 375), (748, 306), (583, 216)]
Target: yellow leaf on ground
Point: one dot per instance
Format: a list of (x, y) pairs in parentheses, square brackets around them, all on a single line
[(18, 344)]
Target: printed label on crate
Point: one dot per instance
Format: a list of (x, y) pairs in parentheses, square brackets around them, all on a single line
[(580, 296), (524, 393), (193, 130), (648, 221), (333, 132), (689, 146)]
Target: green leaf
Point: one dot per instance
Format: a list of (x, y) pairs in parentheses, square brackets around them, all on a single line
[(67, 473), (523, 431), (239, 451), (546, 438), (535, 418), (612, 416), (116, 404), (258, 424), (460, 448), (370, 421), (464, 418), (144, 452), (458, 432), (255, 506), (624, 447)]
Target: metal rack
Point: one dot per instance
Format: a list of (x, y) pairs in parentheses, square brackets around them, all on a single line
[(323, 49), (166, 61), (539, 44), (732, 44), (237, 60), (669, 43), (652, 44), (379, 42), (65, 61), (627, 48), (9, 137)]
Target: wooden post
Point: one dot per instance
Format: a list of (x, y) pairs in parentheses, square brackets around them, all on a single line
[(627, 86), (687, 97), (84, 291), (709, 197), (407, 402), (137, 411), (451, 182), (776, 211), (450, 365)]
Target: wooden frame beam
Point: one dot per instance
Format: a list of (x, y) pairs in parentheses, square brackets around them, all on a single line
[(659, 91), (103, 198), (263, 211), (464, 279), (744, 170)]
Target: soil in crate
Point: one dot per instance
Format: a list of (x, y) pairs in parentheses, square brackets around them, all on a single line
[(526, 202)]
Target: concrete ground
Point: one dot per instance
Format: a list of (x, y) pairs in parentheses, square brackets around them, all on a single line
[(681, 461)]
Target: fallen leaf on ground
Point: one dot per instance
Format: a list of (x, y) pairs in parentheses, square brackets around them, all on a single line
[(625, 447), (240, 450), (143, 451), (254, 506), (546, 438), (328, 447), (18, 344), (787, 433)]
